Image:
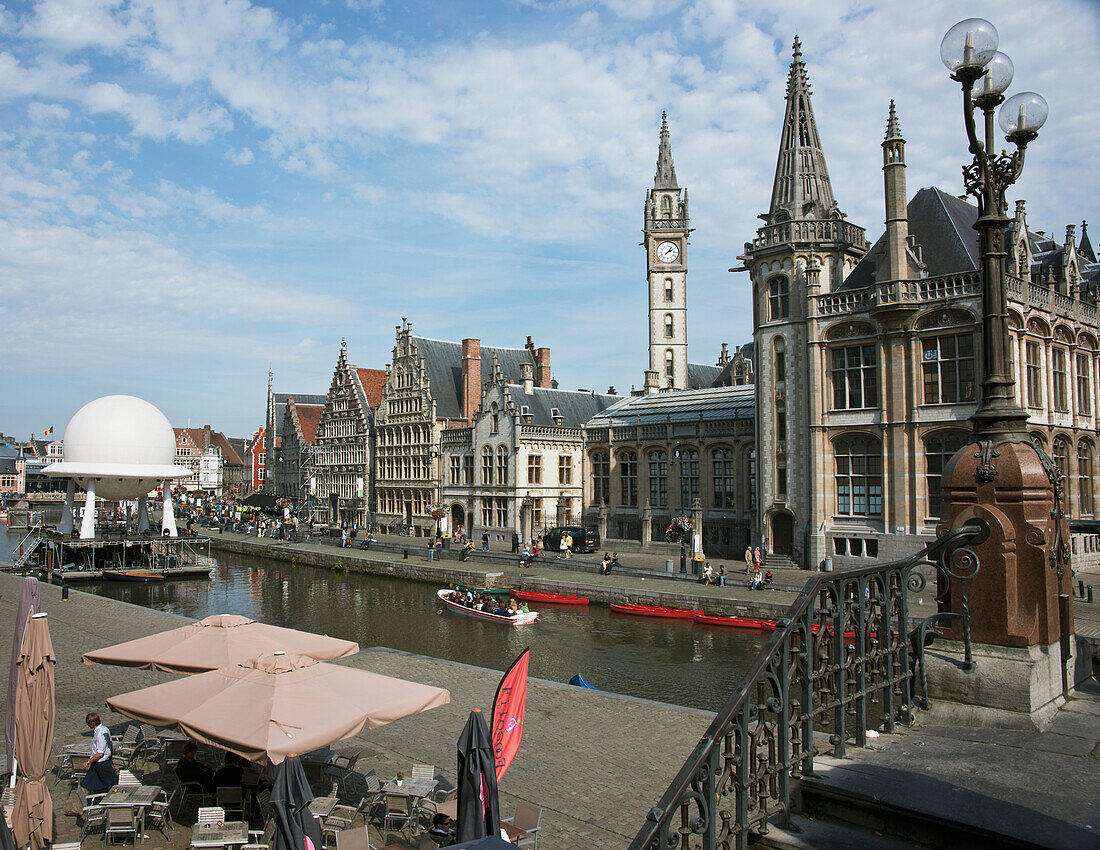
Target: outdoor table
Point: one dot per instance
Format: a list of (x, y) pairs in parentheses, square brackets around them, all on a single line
[(139, 798), (215, 834), (417, 788), (322, 807)]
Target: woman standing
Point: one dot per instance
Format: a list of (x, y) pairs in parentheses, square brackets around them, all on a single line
[(101, 773)]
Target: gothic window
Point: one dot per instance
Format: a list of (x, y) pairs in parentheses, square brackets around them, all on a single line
[(536, 512), (724, 479), (780, 366), (751, 458), (1061, 460), (468, 469), (495, 416), (456, 469), (486, 512), (1084, 397), (666, 207), (486, 465), (1061, 395), (739, 376), (628, 479), (781, 478), (859, 476), (854, 373), (670, 369), (601, 478), (1084, 477), (565, 469), (501, 513), (669, 329), (779, 298), (502, 465), (689, 477), (938, 450), (1034, 375), (658, 479), (668, 289), (948, 365), (534, 469)]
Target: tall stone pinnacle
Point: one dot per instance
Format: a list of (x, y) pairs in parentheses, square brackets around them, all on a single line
[(893, 130), (666, 171)]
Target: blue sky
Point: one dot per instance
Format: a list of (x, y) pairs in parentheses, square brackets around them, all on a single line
[(191, 192)]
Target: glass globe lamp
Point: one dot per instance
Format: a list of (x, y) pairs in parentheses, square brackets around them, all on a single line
[(1022, 115), (969, 46)]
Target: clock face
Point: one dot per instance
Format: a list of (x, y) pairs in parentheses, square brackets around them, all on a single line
[(667, 252)]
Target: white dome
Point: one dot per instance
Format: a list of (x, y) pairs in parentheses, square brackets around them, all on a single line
[(120, 429)]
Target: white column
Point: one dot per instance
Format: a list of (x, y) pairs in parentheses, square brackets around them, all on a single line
[(168, 521), (87, 523), (143, 515), (67, 522)]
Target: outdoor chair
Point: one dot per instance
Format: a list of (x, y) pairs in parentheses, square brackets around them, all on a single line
[(183, 790), (523, 826), (93, 820), (124, 747), (127, 779), (72, 845), (120, 822), (261, 838), (158, 817), (399, 812), (231, 799), (340, 766), (342, 817), (263, 803), (426, 810), (353, 839), (210, 814), (373, 803), (5, 771), (423, 771), (444, 789)]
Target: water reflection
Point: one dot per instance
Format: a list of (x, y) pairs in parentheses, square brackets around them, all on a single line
[(667, 660)]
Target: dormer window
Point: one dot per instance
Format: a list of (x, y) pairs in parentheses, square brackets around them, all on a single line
[(525, 410), (555, 413)]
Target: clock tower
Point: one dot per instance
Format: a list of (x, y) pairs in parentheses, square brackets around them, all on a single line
[(665, 241)]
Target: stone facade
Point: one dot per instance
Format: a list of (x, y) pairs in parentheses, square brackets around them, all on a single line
[(867, 357), (275, 468)]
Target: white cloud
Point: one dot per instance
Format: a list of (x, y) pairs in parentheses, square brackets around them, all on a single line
[(47, 113), (242, 156)]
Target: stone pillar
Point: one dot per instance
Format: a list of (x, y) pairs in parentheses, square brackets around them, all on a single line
[(67, 521), (168, 520), (143, 515), (87, 522), (647, 524), (603, 521), (697, 535)]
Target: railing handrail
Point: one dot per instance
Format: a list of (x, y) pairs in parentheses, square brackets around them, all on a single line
[(794, 619)]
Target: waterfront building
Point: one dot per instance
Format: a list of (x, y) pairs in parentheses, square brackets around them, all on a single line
[(9, 471), (866, 356), (518, 467), (432, 385), (340, 474), (257, 454), (651, 457), (294, 459), (273, 436), (208, 455)]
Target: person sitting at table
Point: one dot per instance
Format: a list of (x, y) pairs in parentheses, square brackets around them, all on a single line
[(190, 769), (229, 774)]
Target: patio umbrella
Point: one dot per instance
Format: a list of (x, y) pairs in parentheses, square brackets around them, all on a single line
[(492, 842), (478, 809), (277, 704), (28, 604), (6, 841), (221, 640), (290, 799), (32, 818)]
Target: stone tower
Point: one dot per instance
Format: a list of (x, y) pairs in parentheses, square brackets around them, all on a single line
[(896, 266), (665, 240), (804, 249)]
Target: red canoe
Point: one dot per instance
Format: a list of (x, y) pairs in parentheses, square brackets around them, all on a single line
[(735, 622), (553, 598), (655, 611)]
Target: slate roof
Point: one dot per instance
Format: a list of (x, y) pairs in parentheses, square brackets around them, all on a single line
[(575, 406), (372, 381), (443, 366), (943, 226), (280, 407), (682, 406), (217, 438), (702, 375)]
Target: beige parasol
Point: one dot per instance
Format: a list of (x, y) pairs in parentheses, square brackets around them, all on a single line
[(277, 704), (32, 818), (222, 640)]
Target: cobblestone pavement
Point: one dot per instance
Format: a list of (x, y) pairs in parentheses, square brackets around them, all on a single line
[(594, 761)]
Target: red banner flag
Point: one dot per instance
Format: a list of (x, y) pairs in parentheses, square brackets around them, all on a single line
[(508, 709)]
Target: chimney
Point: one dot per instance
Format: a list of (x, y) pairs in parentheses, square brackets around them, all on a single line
[(542, 368), (612, 391), (471, 378), (206, 436), (651, 382), (527, 371)]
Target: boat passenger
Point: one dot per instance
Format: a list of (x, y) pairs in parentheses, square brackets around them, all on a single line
[(513, 609)]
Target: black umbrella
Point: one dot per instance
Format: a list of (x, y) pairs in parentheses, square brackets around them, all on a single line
[(493, 842), (478, 809), (290, 798), (6, 840)]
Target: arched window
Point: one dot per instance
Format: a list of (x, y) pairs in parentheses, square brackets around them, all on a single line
[(486, 465), (1061, 460), (494, 412), (670, 330), (670, 368), (780, 360), (502, 465), (751, 462), (938, 450), (858, 475), (666, 207), (1084, 477), (668, 289), (628, 479), (724, 476), (779, 298), (689, 477), (658, 479), (601, 478)]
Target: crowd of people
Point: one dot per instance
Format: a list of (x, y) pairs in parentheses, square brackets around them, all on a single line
[(489, 604)]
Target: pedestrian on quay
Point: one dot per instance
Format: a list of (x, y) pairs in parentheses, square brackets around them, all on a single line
[(344, 537), (431, 550), (567, 543), (100, 774), (467, 550), (758, 561), (605, 564), (515, 542), (438, 548), (485, 541), (563, 548), (749, 560)]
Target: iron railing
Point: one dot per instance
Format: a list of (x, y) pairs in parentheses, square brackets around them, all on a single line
[(843, 659)]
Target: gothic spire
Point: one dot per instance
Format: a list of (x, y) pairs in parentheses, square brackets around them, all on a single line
[(1085, 249), (666, 171), (893, 129), (801, 189)]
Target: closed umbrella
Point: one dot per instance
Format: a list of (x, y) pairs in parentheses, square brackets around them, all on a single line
[(277, 704), (221, 640), (290, 799), (32, 819), (491, 842), (478, 809), (6, 841), (28, 604)]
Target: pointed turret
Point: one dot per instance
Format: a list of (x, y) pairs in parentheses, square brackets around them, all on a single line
[(896, 266), (1085, 249), (801, 189), (666, 171)]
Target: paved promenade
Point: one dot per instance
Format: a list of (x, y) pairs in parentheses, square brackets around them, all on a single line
[(594, 761)]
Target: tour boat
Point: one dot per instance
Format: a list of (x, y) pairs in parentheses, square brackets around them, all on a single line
[(554, 598), (496, 592), (145, 576), (447, 598), (735, 622), (655, 611)]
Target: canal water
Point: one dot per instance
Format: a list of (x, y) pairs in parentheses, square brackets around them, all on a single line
[(666, 660)]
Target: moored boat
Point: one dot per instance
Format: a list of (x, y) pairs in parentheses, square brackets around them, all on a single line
[(735, 622), (497, 592), (654, 611), (145, 576), (553, 598), (522, 619), (580, 682)]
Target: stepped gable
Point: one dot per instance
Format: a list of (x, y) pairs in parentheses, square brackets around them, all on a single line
[(443, 366)]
